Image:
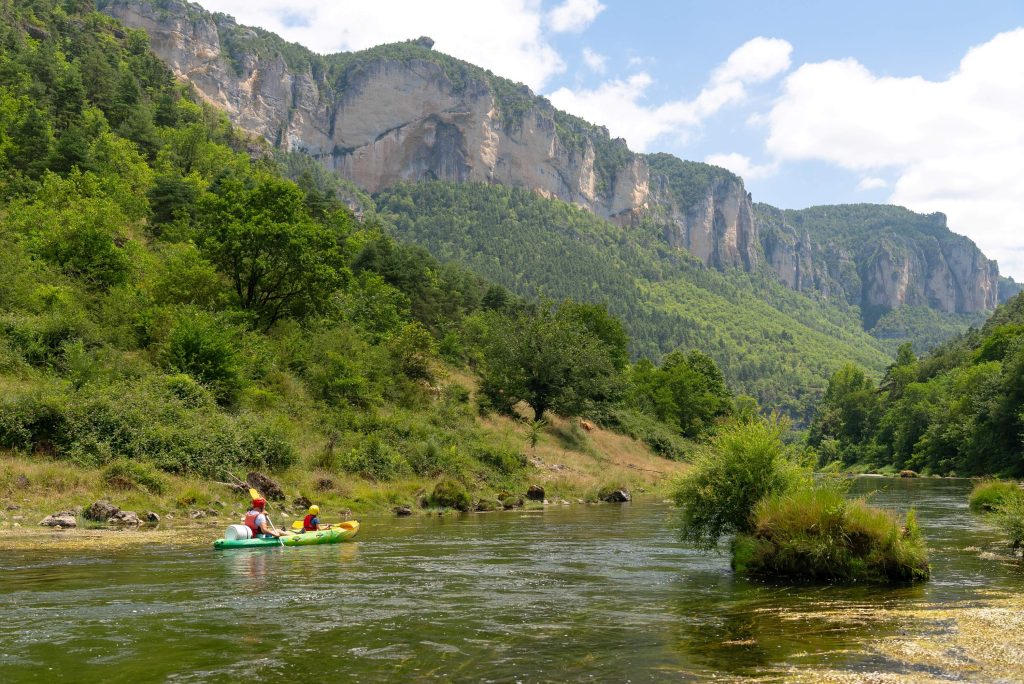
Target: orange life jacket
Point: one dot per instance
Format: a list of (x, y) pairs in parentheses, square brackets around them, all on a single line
[(250, 521)]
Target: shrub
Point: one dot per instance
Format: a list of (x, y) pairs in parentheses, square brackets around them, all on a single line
[(375, 460), (125, 474), (449, 493), (431, 460), (816, 534), (989, 495), (205, 347), (743, 464), (1009, 517), (504, 460)]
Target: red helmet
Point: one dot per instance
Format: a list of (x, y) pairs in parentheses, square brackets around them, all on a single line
[(259, 502)]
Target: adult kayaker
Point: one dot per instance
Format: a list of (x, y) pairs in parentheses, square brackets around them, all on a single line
[(258, 521), (311, 523)]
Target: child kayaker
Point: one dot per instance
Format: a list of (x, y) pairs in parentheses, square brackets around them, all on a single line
[(258, 521), (311, 523)]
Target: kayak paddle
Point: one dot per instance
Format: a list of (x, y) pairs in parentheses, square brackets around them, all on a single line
[(297, 525)]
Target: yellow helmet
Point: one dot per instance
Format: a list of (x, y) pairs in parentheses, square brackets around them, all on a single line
[(314, 510)]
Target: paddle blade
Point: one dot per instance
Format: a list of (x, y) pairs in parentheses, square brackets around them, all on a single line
[(297, 525), (254, 494)]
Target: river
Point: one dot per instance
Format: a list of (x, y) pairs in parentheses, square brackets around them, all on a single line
[(570, 593)]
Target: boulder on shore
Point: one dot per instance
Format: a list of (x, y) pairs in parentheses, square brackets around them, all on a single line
[(60, 519), (908, 473), (617, 496), (152, 517), (265, 486), (302, 502), (125, 519), (101, 511), (535, 493), (402, 511)]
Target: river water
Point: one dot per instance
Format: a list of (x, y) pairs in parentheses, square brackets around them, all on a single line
[(572, 593)]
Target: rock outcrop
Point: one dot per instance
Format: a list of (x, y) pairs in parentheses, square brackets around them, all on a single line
[(403, 112)]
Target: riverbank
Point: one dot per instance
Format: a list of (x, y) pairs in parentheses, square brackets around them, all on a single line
[(570, 466)]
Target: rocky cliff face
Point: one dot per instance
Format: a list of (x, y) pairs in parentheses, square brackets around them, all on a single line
[(404, 113), (408, 114), (880, 258)]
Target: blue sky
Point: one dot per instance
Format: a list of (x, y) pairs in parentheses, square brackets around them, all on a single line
[(915, 103)]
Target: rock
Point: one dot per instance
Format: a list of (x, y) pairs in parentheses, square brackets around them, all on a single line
[(402, 511), (196, 515), (617, 496), (101, 511), (324, 484), (485, 505), (61, 519), (302, 502), (908, 473), (152, 517), (21, 482), (219, 504), (345, 515), (267, 488), (212, 512), (535, 493), (14, 507), (125, 519)]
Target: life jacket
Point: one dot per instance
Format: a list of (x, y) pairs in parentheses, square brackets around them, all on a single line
[(250, 522), (307, 524)]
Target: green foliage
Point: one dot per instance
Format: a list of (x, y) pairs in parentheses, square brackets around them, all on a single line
[(547, 358), (687, 390), (449, 493), (770, 342), (815, 533), (743, 464), (375, 460), (1009, 518), (990, 495), (125, 474), (205, 347), (959, 409)]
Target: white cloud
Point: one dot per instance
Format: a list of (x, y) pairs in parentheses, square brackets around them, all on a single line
[(871, 183), (620, 104), (956, 145), (757, 60), (594, 60), (574, 15), (508, 37), (741, 165)]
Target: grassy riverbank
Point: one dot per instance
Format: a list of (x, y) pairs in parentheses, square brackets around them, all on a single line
[(569, 465)]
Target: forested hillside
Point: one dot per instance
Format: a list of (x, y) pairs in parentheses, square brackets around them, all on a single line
[(172, 302), (959, 409), (771, 342)]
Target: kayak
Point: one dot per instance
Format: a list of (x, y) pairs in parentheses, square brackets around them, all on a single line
[(341, 533)]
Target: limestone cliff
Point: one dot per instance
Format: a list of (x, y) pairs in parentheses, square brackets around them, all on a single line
[(404, 112)]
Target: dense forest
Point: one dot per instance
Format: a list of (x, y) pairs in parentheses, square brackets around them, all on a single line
[(175, 296), (957, 410), (771, 342)]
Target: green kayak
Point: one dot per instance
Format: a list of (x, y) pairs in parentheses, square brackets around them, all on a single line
[(340, 533)]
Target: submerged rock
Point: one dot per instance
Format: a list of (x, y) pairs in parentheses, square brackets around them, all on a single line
[(101, 511), (908, 473), (60, 519), (509, 502), (402, 511), (125, 519)]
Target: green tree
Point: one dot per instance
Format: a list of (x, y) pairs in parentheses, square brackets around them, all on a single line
[(280, 262), (547, 359)]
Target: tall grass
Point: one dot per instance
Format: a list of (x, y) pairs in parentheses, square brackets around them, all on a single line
[(989, 495), (817, 534)]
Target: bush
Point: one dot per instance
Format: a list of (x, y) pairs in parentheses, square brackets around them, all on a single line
[(375, 460), (743, 464), (504, 460), (205, 347), (125, 474), (449, 493), (431, 460), (988, 496), (816, 534), (1010, 519)]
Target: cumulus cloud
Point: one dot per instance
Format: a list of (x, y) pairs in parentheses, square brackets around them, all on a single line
[(741, 165), (871, 183), (509, 38), (574, 15), (594, 60), (955, 145), (620, 104)]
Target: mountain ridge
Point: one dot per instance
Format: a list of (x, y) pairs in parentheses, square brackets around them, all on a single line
[(404, 112)]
